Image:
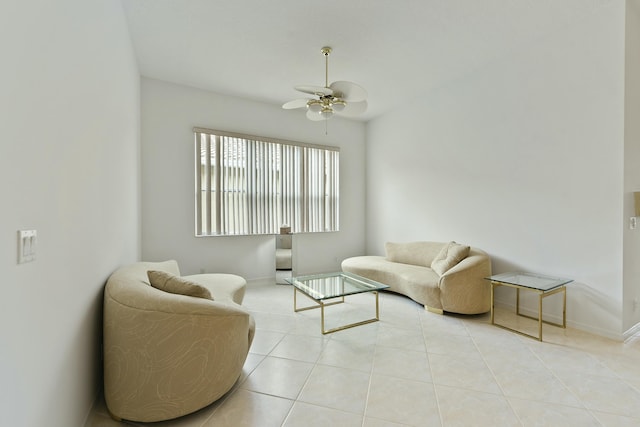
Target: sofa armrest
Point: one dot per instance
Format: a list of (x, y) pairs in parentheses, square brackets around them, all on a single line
[(464, 287)]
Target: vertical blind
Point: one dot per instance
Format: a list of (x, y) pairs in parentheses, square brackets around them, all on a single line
[(252, 185)]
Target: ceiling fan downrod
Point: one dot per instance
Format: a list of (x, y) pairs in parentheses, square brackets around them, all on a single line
[(326, 51)]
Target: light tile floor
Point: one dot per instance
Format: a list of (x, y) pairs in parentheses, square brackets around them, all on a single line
[(415, 368)]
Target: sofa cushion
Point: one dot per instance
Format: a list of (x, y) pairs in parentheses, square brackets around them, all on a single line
[(414, 253), (177, 285), (451, 254)]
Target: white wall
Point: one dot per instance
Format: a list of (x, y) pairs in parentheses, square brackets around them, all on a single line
[(69, 125), (522, 158), (631, 305), (169, 113)]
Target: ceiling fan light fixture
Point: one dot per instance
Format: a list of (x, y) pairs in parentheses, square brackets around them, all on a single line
[(314, 105), (326, 112), (338, 104)]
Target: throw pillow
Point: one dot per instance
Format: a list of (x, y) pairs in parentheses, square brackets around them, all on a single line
[(451, 254), (177, 285)]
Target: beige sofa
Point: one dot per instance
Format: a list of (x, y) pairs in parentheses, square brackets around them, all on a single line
[(441, 276), (168, 354)]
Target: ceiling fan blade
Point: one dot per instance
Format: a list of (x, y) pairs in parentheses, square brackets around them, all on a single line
[(296, 103), (314, 90), (316, 117), (348, 91), (353, 109)]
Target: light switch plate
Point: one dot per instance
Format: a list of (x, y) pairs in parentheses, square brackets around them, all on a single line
[(27, 240)]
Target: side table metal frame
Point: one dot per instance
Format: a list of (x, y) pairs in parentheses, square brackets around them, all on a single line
[(541, 294)]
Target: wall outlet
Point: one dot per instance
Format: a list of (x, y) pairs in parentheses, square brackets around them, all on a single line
[(632, 223)]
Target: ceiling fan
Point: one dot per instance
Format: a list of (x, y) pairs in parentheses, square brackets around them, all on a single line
[(341, 97)]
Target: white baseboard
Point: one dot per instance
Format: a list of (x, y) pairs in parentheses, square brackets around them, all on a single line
[(631, 331)]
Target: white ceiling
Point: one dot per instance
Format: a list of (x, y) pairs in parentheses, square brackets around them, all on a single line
[(397, 50)]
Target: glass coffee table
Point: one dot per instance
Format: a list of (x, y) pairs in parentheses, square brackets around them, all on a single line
[(544, 286), (322, 288)]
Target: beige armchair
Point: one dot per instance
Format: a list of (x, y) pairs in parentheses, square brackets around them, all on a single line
[(166, 354)]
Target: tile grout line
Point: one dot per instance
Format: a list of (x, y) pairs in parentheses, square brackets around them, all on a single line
[(435, 390), (484, 360)]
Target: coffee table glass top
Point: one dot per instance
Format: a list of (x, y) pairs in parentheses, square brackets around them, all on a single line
[(334, 285), (530, 280)]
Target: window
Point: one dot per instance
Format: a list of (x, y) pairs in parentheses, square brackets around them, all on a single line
[(254, 185)]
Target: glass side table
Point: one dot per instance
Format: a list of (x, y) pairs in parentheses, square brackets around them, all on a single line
[(544, 286)]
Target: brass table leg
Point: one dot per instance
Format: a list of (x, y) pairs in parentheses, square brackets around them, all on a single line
[(493, 287), (540, 295)]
